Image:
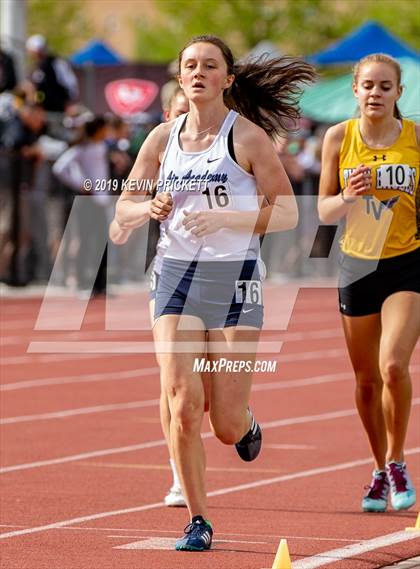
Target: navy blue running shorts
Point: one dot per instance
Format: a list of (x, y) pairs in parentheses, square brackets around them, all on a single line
[(364, 285), (220, 293)]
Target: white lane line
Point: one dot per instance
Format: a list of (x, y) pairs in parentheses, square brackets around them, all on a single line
[(334, 555), (160, 543), (290, 447), (314, 317), (127, 533), (82, 456), (105, 376), (302, 474), (297, 357), (56, 319), (284, 336), (294, 383), (135, 373), (80, 411), (413, 563), (93, 454), (321, 417), (12, 341), (144, 347), (315, 380), (220, 492), (165, 543), (81, 519), (42, 358), (10, 321), (162, 442), (32, 359), (65, 413), (320, 334)]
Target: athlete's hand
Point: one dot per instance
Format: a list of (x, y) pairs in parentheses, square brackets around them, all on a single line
[(202, 223), (359, 182), (161, 206)]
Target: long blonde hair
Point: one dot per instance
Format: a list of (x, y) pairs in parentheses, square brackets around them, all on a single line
[(380, 58)]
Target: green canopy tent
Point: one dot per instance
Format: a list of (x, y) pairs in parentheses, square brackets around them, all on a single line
[(332, 100)]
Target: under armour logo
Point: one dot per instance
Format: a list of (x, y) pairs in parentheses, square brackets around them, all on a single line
[(375, 157)]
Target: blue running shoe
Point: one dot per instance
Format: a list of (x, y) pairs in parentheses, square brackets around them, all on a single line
[(377, 497), (249, 446), (403, 494), (198, 536)]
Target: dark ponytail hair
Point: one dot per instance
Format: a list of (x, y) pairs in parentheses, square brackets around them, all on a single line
[(265, 91)]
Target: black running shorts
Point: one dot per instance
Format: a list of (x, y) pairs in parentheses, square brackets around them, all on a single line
[(364, 285)]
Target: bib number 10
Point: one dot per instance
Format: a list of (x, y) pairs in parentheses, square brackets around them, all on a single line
[(219, 199), (394, 176)]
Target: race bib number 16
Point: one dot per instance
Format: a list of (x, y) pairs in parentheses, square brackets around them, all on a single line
[(249, 292)]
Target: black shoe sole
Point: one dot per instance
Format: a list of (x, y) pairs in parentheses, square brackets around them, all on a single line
[(248, 451)]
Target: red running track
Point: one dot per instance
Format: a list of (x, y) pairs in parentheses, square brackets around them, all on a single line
[(85, 467)]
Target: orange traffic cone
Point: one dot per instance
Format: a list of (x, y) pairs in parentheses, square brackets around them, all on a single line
[(416, 527), (282, 560)]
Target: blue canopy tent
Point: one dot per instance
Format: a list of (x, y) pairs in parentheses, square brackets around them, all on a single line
[(369, 38), (96, 53)]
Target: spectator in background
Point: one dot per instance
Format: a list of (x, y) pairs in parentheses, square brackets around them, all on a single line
[(281, 252), (118, 142), (20, 159), (323, 244), (70, 131), (88, 160), (7, 72), (166, 95), (52, 78), (120, 163), (144, 124), (287, 150)]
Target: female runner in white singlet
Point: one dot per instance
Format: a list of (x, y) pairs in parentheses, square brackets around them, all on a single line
[(210, 163)]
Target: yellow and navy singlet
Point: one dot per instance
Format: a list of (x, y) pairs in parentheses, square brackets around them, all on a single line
[(384, 222)]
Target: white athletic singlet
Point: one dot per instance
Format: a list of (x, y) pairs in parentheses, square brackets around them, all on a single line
[(199, 181)]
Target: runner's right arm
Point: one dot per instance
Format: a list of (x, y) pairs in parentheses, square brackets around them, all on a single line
[(133, 210)]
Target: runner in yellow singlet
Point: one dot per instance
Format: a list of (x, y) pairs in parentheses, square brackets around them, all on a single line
[(370, 178)]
